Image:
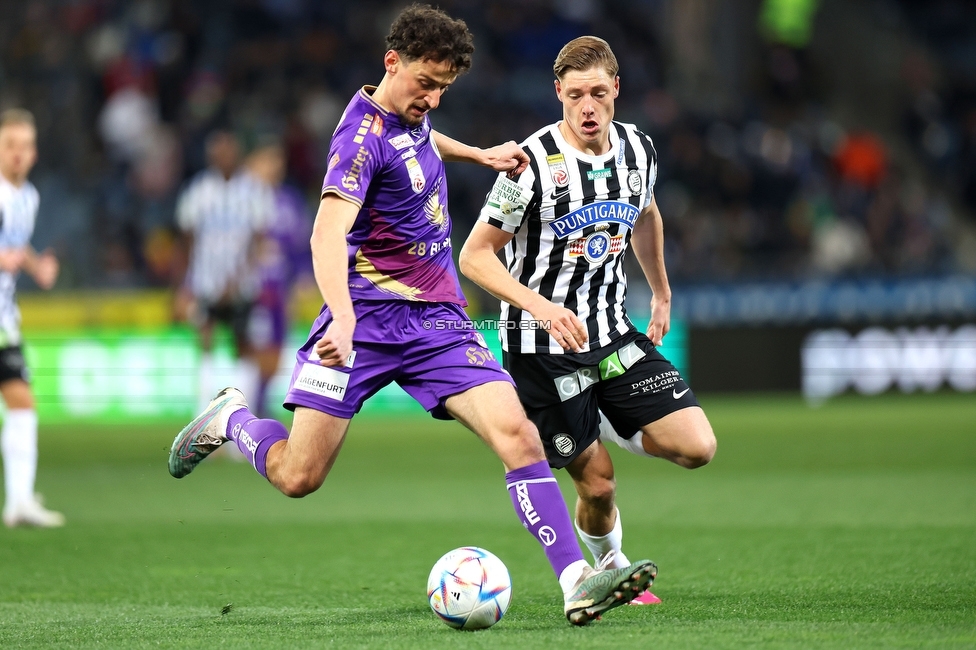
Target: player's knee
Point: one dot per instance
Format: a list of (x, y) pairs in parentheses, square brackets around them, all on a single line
[(526, 439), (599, 493), (299, 485), (701, 450)]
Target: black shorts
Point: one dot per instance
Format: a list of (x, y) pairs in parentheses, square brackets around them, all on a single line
[(629, 380), (236, 315), (12, 365)]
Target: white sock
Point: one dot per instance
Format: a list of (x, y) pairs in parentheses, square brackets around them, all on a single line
[(247, 376), (18, 442), (571, 575), (612, 541)]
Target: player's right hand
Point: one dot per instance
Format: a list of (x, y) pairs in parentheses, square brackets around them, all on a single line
[(46, 269), (335, 346), (564, 326)]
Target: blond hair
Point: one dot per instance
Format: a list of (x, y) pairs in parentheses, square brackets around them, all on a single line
[(17, 116), (584, 53)]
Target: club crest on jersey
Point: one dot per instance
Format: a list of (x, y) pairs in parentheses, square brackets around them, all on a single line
[(564, 444), (435, 211), (634, 182), (558, 169), (417, 180), (596, 247)]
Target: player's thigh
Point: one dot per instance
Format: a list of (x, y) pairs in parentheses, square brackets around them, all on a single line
[(17, 394), (493, 412), (652, 398), (568, 421), (684, 436), (314, 443), (341, 392)]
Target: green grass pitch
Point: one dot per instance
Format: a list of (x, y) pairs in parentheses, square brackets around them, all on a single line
[(852, 525)]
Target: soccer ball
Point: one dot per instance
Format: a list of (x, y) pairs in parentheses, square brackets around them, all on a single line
[(469, 588)]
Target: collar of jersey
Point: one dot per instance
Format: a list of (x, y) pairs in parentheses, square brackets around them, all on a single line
[(599, 162)]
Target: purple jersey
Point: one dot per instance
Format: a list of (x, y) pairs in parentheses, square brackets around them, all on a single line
[(400, 245)]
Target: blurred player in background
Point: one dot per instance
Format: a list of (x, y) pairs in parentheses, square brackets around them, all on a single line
[(565, 225), (18, 210), (284, 257), (393, 311), (222, 213)]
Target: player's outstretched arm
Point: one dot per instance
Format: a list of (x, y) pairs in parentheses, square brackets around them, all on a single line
[(333, 222), (648, 244), (479, 263), (507, 157)]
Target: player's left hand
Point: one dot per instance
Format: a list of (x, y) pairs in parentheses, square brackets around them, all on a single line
[(507, 157), (660, 320)]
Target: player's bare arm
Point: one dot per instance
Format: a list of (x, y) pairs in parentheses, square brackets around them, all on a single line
[(333, 222), (479, 263), (12, 259), (43, 267), (647, 242), (507, 157)]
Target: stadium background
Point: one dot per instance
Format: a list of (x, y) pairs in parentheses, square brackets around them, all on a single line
[(818, 184), (817, 166)]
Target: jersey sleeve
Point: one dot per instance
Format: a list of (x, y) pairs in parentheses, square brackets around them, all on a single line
[(355, 157), (651, 169), (507, 202), (188, 208)]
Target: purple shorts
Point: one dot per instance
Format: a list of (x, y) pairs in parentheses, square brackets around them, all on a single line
[(429, 349)]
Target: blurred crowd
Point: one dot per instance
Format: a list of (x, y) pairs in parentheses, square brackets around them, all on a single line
[(796, 138)]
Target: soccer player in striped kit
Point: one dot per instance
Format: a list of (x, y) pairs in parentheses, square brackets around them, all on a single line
[(18, 210), (393, 311), (565, 225), (222, 213)]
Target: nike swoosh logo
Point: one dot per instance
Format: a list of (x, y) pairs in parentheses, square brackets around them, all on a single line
[(678, 395), (555, 196)]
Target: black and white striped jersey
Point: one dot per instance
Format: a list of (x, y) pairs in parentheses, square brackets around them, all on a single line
[(18, 212), (572, 215), (224, 216)]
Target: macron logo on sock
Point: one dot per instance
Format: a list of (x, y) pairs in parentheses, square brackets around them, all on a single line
[(522, 492), (248, 442)]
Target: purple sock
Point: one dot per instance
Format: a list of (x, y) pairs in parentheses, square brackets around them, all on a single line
[(539, 504), (255, 437)]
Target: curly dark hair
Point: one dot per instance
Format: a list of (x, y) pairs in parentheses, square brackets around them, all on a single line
[(421, 32)]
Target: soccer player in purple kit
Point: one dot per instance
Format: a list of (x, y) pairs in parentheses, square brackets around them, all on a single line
[(381, 248), (283, 258)]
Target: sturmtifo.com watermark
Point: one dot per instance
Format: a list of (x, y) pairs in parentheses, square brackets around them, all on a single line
[(486, 324)]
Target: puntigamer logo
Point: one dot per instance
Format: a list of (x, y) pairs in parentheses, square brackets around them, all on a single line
[(594, 213)]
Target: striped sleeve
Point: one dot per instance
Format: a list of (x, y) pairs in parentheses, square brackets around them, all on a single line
[(505, 206)]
